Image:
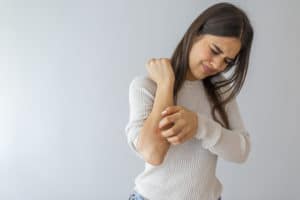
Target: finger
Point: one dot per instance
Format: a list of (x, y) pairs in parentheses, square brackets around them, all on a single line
[(174, 140), (175, 130), (179, 138), (170, 110), (167, 120)]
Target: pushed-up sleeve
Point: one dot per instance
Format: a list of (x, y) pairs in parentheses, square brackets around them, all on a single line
[(141, 98), (231, 144)]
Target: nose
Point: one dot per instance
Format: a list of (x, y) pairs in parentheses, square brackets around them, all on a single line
[(217, 63)]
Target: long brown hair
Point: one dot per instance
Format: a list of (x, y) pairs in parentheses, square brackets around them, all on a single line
[(222, 19)]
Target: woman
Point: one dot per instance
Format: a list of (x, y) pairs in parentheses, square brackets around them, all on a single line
[(184, 115)]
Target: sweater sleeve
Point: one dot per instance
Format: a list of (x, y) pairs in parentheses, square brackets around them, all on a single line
[(141, 98), (231, 144)]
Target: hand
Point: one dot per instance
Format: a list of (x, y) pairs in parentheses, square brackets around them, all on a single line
[(184, 121), (160, 70)]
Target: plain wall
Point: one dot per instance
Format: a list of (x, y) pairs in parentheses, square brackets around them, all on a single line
[(65, 69)]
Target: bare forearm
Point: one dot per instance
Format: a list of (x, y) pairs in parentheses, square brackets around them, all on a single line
[(150, 143)]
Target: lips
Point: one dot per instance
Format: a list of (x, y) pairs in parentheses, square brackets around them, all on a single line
[(207, 70)]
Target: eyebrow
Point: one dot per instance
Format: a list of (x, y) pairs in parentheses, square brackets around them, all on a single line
[(220, 51)]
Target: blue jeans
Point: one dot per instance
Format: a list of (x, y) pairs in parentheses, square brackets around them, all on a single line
[(137, 196)]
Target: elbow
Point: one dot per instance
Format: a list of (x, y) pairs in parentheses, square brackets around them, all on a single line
[(155, 162), (153, 158), (241, 160), (150, 153), (243, 157)]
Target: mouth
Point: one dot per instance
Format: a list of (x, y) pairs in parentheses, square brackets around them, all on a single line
[(207, 70)]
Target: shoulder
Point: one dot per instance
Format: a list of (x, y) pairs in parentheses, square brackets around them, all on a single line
[(143, 83)]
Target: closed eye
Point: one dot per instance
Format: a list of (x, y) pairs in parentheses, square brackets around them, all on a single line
[(227, 61), (214, 51)]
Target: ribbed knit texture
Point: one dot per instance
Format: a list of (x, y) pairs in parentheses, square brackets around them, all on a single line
[(189, 169)]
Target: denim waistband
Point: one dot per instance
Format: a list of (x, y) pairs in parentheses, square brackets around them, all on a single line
[(136, 196)]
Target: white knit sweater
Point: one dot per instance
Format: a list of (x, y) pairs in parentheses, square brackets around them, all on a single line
[(189, 169)]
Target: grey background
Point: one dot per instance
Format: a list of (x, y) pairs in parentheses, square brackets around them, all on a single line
[(65, 68)]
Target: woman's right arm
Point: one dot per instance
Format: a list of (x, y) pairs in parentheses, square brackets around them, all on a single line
[(148, 98), (150, 144)]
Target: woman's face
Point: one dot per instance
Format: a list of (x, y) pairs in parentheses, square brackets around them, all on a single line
[(210, 55)]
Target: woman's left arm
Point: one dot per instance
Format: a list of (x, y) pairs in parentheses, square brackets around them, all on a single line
[(231, 144)]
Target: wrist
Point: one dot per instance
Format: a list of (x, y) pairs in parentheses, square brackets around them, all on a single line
[(166, 85)]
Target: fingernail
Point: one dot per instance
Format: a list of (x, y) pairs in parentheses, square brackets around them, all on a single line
[(164, 112)]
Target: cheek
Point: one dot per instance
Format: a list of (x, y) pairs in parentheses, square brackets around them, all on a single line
[(196, 57), (203, 56), (206, 55)]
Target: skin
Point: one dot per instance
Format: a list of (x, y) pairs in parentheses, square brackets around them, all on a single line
[(205, 52), (213, 51)]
